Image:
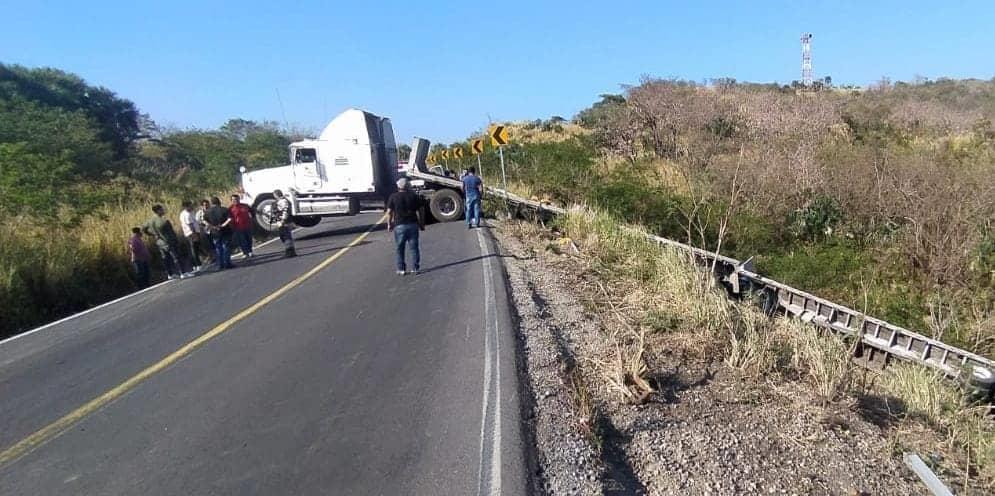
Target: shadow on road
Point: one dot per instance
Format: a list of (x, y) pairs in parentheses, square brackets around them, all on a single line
[(343, 231), (277, 256), (465, 261)]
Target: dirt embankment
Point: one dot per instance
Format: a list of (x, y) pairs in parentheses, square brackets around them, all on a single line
[(704, 428)]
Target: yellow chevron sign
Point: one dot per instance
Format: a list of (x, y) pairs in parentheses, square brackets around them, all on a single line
[(499, 135), (477, 147)]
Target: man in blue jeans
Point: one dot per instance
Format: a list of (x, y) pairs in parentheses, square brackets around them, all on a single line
[(219, 228), (405, 218), (473, 191)]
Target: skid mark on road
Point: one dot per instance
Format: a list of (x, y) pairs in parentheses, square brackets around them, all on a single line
[(58, 427), (489, 473)]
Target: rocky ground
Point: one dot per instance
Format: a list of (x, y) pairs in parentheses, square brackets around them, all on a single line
[(704, 430)]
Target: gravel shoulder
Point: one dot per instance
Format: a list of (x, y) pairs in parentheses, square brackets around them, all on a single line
[(703, 429)]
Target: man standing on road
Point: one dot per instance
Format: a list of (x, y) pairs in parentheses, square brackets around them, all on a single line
[(405, 218), (167, 242), (193, 232), (241, 221), (473, 188), (284, 222), (219, 227)]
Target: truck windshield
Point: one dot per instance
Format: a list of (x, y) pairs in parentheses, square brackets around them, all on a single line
[(304, 155)]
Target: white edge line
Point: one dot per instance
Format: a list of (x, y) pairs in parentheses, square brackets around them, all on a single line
[(490, 308), (109, 303)]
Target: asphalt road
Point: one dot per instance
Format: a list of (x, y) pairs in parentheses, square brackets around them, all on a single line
[(353, 380)]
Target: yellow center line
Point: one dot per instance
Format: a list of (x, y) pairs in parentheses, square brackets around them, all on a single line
[(56, 428)]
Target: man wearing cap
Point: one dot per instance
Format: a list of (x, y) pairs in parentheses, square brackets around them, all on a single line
[(405, 217)]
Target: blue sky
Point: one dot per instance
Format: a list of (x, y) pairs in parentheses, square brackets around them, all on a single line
[(441, 70)]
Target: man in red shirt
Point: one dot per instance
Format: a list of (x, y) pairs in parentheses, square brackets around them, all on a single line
[(241, 221)]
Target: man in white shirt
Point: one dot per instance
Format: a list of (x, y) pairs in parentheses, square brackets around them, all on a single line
[(193, 232)]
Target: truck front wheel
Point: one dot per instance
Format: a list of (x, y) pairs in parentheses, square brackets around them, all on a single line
[(446, 205), (264, 215)]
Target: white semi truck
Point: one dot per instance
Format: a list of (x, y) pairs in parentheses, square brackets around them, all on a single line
[(353, 161)]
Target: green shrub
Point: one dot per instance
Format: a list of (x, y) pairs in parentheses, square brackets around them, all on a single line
[(816, 219)]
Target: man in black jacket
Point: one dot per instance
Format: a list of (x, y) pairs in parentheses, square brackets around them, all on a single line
[(219, 228), (405, 217)]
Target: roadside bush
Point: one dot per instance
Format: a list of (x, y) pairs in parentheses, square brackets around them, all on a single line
[(816, 219)]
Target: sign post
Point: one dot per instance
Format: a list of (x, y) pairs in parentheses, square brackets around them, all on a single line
[(477, 148), (499, 138)]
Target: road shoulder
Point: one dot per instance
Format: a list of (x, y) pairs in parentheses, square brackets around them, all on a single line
[(702, 430)]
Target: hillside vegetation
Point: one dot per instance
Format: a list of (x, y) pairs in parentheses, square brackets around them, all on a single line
[(80, 166), (880, 198)]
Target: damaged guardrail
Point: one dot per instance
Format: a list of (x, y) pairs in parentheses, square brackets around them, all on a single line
[(880, 342)]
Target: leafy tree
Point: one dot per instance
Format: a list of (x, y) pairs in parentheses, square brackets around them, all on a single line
[(116, 119), (403, 152), (55, 132), (601, 110), (265, 149), (241, 129), (31, 183)]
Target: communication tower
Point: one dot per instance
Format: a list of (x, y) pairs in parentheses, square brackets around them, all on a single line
[(807, 59)]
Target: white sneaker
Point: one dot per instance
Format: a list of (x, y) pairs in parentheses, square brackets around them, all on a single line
[(197, 268), (400, 272), (188, 275), (171, 277)]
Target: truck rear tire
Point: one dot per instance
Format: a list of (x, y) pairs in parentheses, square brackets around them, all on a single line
[(446, 205)]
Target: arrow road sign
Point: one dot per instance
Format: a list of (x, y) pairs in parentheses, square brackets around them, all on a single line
[(477, 147), (458, 152), (499, 135), (445, 154)]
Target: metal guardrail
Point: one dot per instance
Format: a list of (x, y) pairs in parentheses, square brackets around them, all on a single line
[(881, 341)]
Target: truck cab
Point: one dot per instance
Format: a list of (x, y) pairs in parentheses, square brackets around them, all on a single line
[(353, 160)]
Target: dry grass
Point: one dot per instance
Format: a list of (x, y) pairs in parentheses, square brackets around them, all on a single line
[(656, 280), (525, 132), (824, 360), (753, 345), (50, 271), (927, 397)]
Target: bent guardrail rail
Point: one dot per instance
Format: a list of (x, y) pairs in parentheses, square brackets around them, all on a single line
[(880, 340)]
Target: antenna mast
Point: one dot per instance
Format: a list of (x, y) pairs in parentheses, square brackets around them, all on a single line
[(807, 59)]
